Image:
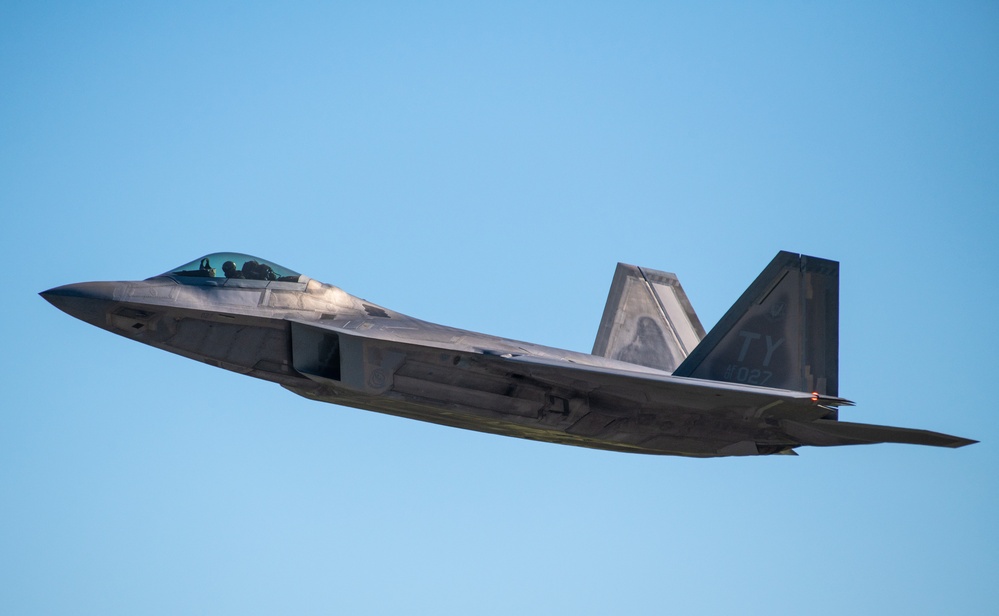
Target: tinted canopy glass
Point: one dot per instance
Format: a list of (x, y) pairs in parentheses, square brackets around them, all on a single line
[(234, 265)]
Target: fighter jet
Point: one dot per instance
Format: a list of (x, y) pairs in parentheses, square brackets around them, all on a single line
[(764, 380)]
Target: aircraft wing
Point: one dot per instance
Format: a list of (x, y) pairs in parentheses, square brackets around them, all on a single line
[(638, 389), (801, 415), (376, 361)]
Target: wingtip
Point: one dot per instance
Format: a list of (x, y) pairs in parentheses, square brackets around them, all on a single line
[(962, 442)]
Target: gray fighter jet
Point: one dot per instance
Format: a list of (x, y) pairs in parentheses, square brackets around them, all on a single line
[(763, 381)]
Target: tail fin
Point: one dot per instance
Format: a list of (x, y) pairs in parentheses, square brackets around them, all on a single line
[(783, 332), (647, 320)]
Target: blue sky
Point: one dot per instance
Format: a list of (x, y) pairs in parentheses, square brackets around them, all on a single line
[(486, 166)]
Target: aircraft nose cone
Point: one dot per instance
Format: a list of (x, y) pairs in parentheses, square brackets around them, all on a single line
[(87, 301)]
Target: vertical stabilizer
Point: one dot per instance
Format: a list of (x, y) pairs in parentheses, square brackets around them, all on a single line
[(783, 332), (647, 320)]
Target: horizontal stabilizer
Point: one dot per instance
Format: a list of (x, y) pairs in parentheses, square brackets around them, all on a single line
[(824, 433), (647, 320)]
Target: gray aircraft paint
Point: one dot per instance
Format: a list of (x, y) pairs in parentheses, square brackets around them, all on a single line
[(654, 384), (647, 320)]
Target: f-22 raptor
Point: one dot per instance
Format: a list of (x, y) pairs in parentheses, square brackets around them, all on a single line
[(764, 380)]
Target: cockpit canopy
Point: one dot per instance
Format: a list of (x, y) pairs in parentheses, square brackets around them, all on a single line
[(234, 265)]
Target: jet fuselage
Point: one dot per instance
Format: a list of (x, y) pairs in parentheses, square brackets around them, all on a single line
[(325, 344)]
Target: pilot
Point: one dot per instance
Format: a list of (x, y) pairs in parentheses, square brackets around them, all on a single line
[(250, 270), (258, 271), (229, 268)]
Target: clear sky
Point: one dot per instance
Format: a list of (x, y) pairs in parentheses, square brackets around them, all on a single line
[(486, 166)]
